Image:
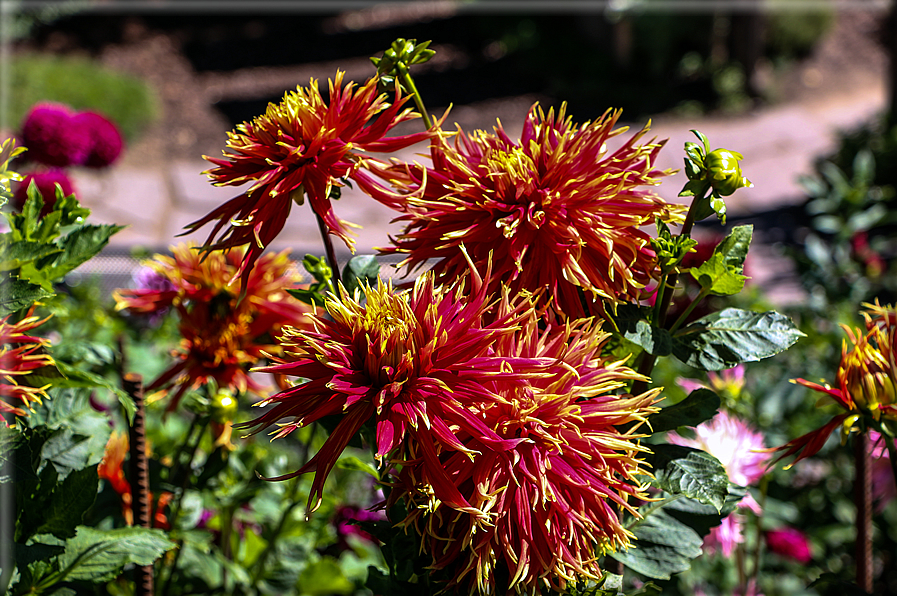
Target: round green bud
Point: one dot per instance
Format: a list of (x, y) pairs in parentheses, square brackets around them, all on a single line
[(224, 406), (723, 171)]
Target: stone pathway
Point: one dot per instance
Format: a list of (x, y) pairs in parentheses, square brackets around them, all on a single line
[(779, 144)]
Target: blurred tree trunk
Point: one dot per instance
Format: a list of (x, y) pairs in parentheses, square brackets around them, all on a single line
[(746, 43)]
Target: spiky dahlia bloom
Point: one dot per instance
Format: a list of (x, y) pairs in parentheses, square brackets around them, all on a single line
[(300, 146), (555, 209), (223, 335), (547, 498), (740, 449), (867, 381), (406, 364), (20, 355)]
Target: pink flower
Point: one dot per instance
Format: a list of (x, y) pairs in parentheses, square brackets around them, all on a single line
[(105, 140), (46, 183), (735, 445), (53, 138), (790, 543), (730, 380), (343, 522)]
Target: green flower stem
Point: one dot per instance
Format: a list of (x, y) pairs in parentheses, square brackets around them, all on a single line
[(201, 423), (698, 299), (408, 82), (259, 567), (646, 366), (764, 489), (646, 511), (331, 254)]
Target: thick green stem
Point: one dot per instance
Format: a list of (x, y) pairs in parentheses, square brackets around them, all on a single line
[(646, 366), (408, 82), (698, 299), (331, 254)]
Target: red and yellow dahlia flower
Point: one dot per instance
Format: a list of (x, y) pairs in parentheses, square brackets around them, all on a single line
[(556, 209), (300, 146), (407, 363), (223, 336), (548, 498), (867, 381), (20, 355)]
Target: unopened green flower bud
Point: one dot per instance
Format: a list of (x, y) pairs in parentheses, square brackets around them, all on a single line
[(224, 406), (723, 171)]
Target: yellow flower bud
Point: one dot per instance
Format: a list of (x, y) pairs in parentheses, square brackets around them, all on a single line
[(724, 172)]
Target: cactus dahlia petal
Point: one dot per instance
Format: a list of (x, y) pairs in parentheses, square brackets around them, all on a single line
[(300, 146), (20, 355), (557, 209), (407, 364), (549, 497)]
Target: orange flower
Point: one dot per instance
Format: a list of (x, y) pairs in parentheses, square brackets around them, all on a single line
[(556, 210), (546, 497), (301, 146), (223, 336), (111, 469), (20, 355)]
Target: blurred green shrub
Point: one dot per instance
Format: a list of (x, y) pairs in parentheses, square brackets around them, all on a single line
[(849, 250), (84, 85)]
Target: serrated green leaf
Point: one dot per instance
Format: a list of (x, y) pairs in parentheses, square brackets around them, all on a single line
[(718, 278), (67, 451), (734, 247), (653, 340), (14, 254), (689, 472), (100, 555), (18, 294), (71, 499), (699, 406), (76, 378), (703, 518), (631, 322), (663, 547), (10, 439), (77, 247), (732, 336)]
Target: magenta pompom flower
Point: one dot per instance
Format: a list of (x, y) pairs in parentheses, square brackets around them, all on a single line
[(47, 182), (790, 543), (106, 141), (557, 210), (53, 137)]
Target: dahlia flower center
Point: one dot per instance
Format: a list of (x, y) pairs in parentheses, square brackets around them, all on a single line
[(389, 332)]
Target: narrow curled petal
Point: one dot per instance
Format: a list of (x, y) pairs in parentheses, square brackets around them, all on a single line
[(300, 146), (557, 210)]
